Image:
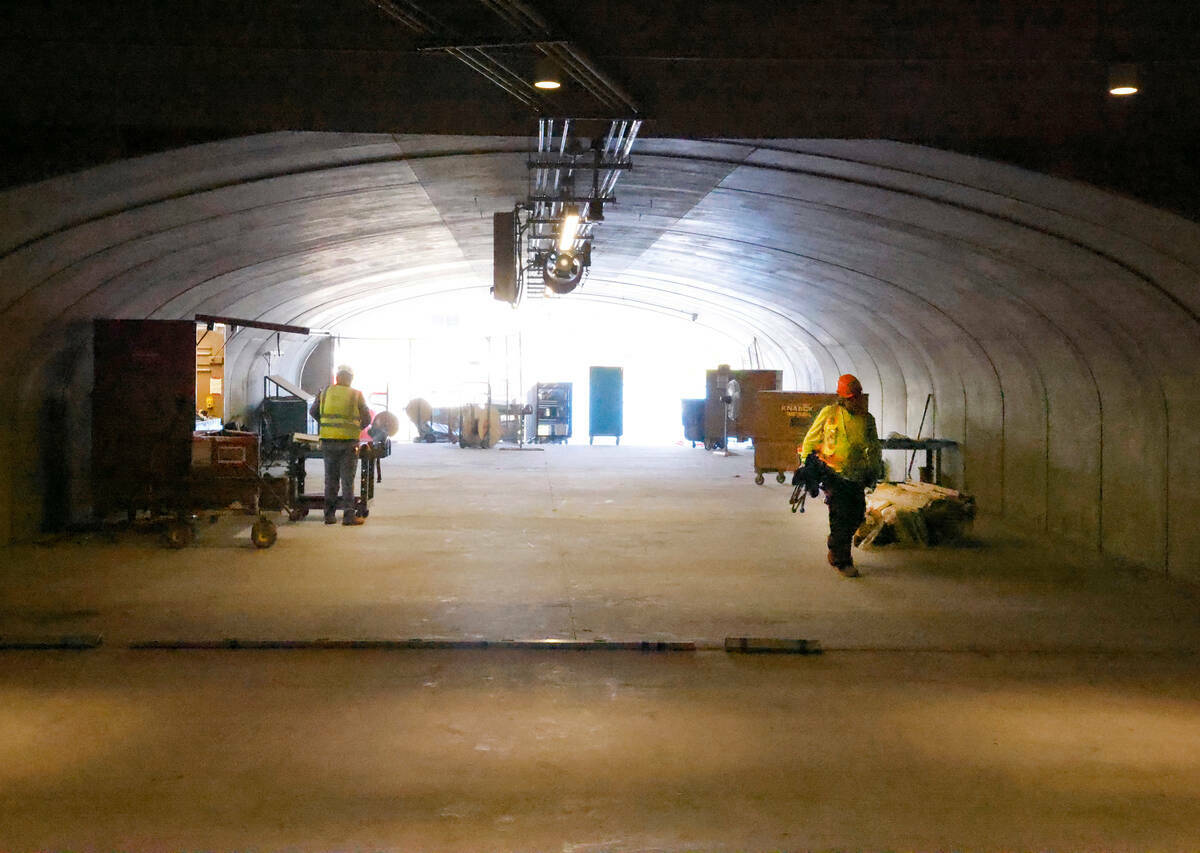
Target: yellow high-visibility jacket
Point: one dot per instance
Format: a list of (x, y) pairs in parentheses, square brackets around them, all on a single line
[(342, 412), (846, 443)]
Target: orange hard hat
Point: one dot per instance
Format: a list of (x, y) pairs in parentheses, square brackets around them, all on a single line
[(848, 386)]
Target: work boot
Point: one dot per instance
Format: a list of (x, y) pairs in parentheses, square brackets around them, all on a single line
[(841, 560), (353, 520), (331, 519)]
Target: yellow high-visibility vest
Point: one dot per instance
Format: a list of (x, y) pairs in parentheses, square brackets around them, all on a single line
[(339, 413), (846, 443)]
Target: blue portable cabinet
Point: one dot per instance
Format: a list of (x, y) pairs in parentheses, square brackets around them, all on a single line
[(606, 403)]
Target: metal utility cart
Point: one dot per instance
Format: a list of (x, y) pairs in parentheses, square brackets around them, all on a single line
[(370, 471), (146, 455), (224, 477)]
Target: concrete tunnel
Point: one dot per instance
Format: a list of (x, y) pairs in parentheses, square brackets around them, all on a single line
[(1056, 325)]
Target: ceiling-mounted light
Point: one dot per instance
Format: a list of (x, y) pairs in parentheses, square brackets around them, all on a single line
[(568, 230), (562, 272), (1123, 79), (546, 74)]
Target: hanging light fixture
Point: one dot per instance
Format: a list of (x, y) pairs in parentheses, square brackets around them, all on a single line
[(546, 74), (568, 229), (1123, 79), (562, 272)]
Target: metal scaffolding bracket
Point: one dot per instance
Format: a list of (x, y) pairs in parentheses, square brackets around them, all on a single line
[(529, 32), (571, 170)]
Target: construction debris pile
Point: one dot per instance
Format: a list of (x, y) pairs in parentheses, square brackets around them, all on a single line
[(913, 513)]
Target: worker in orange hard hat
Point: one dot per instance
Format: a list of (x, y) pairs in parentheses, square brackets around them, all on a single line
[(845, 441)]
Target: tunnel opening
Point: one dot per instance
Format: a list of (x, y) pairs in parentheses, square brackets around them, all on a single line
[(456, 352), (924, 273)]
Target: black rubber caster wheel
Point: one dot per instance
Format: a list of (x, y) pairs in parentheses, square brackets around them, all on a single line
[(759, 479), (779, 478), (263, 533)]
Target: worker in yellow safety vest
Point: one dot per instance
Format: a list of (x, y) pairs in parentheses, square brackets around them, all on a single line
[(342, 413), (845, 440)]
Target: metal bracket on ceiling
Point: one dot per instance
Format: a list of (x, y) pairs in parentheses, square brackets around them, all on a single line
[(560, 158), (410, 15), (555, 194), (568, 55), (533, 33), (562, 155)]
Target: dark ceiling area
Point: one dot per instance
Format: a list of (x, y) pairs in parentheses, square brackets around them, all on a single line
[(1021, 81)]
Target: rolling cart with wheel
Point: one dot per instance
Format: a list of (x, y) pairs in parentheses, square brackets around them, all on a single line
[(370, 471), (783, 419), (148, 458), (181, 524), (223, 479)]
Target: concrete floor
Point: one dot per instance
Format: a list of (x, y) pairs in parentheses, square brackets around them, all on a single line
[(1002, 694)]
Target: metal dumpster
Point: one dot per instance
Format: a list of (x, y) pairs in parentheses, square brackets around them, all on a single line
[(782, 419)]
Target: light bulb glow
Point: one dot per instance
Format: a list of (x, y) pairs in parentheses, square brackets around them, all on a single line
[(570, 228), (1123, 79), (548, 84)]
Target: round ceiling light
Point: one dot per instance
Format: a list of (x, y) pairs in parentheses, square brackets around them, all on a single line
[(546, 75), (1123, 79), (562, 272)]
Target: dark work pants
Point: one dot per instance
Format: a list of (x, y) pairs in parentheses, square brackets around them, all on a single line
[(339, 471), (847, 508)]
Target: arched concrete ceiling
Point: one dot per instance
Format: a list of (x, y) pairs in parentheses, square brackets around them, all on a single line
[(1056, 326)]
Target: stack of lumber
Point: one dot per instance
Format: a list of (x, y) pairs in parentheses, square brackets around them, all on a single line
[(913, 513)]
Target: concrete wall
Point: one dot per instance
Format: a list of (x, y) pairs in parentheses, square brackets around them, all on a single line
[(1056, 326)]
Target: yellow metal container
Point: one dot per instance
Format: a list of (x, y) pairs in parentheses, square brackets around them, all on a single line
[(781, 420)]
